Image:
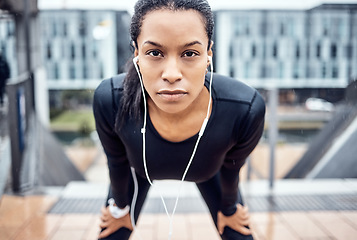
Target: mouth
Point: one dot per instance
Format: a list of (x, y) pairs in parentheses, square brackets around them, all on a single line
[(172, 95)]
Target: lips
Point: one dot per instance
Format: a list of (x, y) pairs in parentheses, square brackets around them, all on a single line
[(172, 95)]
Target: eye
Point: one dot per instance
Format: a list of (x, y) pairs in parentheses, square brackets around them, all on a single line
[(154, 53), (190, 54)]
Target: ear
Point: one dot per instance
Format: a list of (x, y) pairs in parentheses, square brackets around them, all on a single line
[(136, 52), (210, 52)]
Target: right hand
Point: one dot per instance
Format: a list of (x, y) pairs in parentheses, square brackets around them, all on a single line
[(111, 224), (238, 221)]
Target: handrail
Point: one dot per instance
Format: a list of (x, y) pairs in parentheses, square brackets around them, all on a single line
[(19, 79)]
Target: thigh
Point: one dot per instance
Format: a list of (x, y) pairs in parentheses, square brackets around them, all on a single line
[(143, 188), (212, 194)]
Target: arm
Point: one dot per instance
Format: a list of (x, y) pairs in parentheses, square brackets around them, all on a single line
[(105, 114), (249, 134)]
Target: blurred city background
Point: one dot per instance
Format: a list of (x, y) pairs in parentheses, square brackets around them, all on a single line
[(300, 182)]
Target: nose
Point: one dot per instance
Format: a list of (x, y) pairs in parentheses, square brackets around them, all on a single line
[(171, 72)]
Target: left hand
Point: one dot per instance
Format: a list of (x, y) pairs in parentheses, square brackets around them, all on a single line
[(111, 224), (238, 221)]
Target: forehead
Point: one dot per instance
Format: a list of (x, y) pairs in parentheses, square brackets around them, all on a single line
[(179, 24)]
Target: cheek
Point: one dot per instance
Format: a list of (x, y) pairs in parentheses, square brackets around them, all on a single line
[(148, 77), (197, 76)]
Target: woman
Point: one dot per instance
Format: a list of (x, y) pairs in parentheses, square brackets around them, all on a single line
[(195, 131)]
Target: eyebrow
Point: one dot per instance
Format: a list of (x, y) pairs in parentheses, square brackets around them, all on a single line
[(185, 45)]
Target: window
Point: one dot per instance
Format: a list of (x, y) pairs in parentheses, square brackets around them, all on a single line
[(236, 22), (82, 25), (231, 71), (73, 51), (308, 72), (246, 70), (348, 51), (333, 50), (262, 71), (247, 27), (247, 30), (72, 72), (282, 29), (325, 26), (312, 72), (83, 51), (318, 50), (63, 49), (334, 72), (275, 50), (253, 50), (65, 30), (263, 28), (231, 52), (49, 51), (281, 70), (56, 71), (297, 51), (95, 49), (296, 71), (101, 71), (10, 31), (85, 71), (291, 27), (54, 29), (323, 70)]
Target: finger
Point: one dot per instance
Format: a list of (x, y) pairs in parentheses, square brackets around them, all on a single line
[(104, 211), (245, 222), (243, 213), (103, 224), (243, 216), (220, 224), (104, 218), (243, 230), (104, 233), (245, 209), (241, 208), (130, 225)]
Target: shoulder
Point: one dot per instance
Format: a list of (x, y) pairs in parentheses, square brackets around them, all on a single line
[(108, 87), (107, 96), (232, 90), (115, 82), (241, 100)]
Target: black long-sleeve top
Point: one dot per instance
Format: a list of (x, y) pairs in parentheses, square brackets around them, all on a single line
[(233, 130)]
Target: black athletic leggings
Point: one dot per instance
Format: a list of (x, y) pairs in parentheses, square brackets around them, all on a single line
[(211, 193)]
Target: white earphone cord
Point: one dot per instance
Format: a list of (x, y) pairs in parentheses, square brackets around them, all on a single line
[(143, 131)]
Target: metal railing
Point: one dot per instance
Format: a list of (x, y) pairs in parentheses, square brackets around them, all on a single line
[(21, 106)]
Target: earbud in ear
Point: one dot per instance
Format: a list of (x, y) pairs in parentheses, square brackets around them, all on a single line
[(209, 58), (136, 59)]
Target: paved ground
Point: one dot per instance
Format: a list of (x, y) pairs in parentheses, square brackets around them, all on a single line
[(30, 217)]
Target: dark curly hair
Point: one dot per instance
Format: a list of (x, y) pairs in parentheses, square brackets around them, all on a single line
[(132, 97)]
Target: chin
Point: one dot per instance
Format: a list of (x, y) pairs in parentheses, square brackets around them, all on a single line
[(173, 108)]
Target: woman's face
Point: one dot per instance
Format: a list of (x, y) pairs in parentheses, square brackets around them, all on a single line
[(173, 58)]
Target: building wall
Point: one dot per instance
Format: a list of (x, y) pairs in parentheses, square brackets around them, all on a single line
[(80, 48), (288, 49)]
